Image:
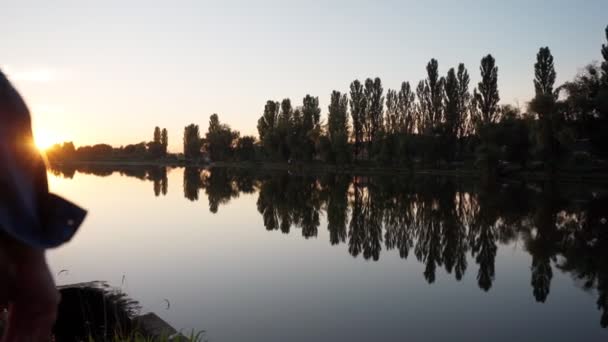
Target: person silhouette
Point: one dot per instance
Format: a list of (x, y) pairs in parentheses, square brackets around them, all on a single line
[(32, 220)]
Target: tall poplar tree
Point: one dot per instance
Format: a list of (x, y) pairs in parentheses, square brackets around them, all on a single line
[(464, 101), (337, 120), (192, 141), (267, 128), (284, 128), (544, 105), (357, 112), (406, 109), (486, 112), (311, 117), (164, 140), (451, 108), (430, 96), (486, 95), (374, 113), (392, 112), (423, 106)]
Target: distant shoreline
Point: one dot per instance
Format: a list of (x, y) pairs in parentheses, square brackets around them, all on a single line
[(586, 175)]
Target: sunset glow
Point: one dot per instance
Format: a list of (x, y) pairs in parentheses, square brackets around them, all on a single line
[(45, 139)]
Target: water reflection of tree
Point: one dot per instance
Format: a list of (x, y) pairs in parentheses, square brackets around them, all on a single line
[(336, 192), (542, 242), (66, 170), (158, 175), (483, 234), (399, 218), (356, 233), (429, 236), (220, 187), (286, 201), (585, 250), (439, 220), (192, 183)]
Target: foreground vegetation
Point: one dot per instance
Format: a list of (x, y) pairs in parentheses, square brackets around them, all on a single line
[(440, 123)]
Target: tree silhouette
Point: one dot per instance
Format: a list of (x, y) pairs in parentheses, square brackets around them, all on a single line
[(337, 120), (544, 72), (544, 105), (400, 124), (423, 107), (267, 128), (220, 139), (296, 139), (156, 135), (486, 95), (452, 113), (164, 140), (245, 148), (192, 141), (430, 95), (357, 111), (284, 128), (485, 113), (406, 109), (374, 122), (311, 117), (155, 147), (392, 112), (464, 99)]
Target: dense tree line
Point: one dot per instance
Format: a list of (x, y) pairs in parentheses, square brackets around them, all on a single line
[(154, 149), (441, 122)]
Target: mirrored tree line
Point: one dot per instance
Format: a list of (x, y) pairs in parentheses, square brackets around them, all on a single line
[(156, 174), (449, 225)]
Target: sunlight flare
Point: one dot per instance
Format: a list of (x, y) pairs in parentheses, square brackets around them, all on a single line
[(45, 139)]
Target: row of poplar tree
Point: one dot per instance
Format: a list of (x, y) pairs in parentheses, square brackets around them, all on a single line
[(438, 120)]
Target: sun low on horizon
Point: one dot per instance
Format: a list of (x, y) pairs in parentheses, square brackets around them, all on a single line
[(45, 139)]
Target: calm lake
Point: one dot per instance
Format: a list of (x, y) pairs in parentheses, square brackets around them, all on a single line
[(248, 255)]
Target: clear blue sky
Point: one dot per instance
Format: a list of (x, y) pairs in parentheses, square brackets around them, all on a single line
[(111, 70)]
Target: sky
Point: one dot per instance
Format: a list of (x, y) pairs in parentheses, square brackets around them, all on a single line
[(109, 71)]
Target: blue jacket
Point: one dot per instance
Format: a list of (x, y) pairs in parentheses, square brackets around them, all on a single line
[(28, 212)]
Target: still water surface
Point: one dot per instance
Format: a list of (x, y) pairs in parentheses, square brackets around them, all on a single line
[(251, 256)]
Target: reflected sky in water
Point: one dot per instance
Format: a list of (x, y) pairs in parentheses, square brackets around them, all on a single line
[(274, 257)]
